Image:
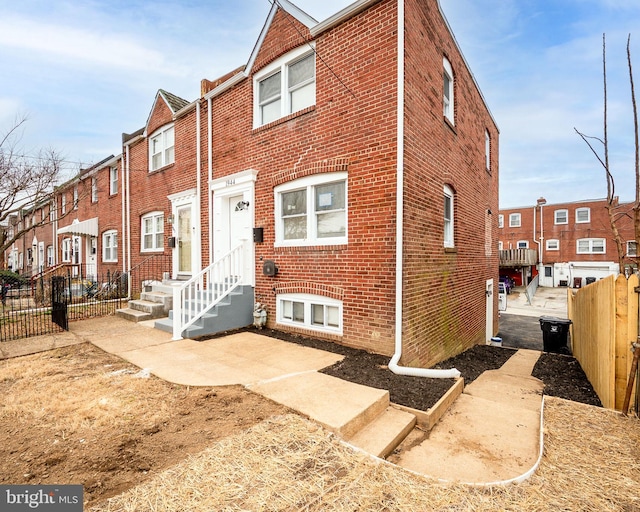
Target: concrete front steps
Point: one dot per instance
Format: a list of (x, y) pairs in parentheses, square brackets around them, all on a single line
[(233, 312), (360, 415), (150, 305)]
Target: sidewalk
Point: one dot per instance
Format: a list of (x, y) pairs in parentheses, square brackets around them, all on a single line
[(546, 302), (491, 432)]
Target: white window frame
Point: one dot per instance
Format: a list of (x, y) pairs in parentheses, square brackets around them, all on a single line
[(556, 216), (449, 217), (501, 221), (524, 243), (586, 210), (63, 205), (75, 197), (166, 137), (50, 256), (113, 181), (309, 184), (448, 94), (155, 246), (487, 149), (282, 66), (307, 301), (552, 244), (632, 250), (591, 243), (513, 223), (94, 189), (110, 246), (67, 250), (500, 246)]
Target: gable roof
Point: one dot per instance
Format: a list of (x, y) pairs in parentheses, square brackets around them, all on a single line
[(174, 102)]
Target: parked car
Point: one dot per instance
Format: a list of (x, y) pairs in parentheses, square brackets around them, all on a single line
[(508, 283)]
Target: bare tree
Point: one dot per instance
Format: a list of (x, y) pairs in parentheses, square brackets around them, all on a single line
[(613, 208), (26, 181)]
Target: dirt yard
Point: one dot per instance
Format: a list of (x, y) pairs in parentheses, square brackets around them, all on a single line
[(80, 415), (136, 443)]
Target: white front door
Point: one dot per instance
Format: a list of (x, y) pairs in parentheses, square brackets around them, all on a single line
[(489, 308), (92, 249)]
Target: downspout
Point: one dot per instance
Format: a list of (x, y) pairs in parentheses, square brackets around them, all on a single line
[(210, 175), (124, 210), (198, 222), (535, 208), (393, 364), (128, 214)]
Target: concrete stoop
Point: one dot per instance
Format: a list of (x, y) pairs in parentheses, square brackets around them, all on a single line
[(149, 306)]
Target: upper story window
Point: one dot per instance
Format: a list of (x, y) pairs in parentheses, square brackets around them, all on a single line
[(523, 244), (113, 180), (561, 217), (312, 210), (66, 250), (487, 149), (591, 246), (500, 221), (632, 249), (153, 232), (285, 86), (94, 190), (75, 197), (583, 215), (553, 244), (110, 246), (64, 204), (448, 217), (500, 246), (515, 220), (449, 103), (162, 148)]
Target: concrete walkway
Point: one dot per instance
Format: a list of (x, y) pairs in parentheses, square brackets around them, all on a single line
[(490, 433)]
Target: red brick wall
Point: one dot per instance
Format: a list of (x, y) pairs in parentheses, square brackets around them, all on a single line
[(568, 234), (445, 308)]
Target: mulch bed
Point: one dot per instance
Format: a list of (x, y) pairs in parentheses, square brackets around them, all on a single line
[(561, 374)]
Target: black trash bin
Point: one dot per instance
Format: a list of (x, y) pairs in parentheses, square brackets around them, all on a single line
[(554, 334), (590, 280)]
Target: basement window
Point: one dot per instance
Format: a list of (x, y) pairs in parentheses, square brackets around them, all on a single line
[(313, 312)]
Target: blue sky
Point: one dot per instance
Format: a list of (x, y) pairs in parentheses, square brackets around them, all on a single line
[(85, 71)]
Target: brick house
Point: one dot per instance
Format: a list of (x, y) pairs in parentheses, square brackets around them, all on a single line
[(335, 157), (573, 241), (88, 220)]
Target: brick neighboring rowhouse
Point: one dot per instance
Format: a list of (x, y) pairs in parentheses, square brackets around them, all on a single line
[(574, 241)]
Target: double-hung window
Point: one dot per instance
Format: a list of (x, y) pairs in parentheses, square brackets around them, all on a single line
[(500, 221), (583, 215), (94, 190), (153, 232), (286, 86), (162, 148), (448, 98), (310, 311), (632, 249), (110, 246), (553, 244), (591, 246), (487, 150), (312, 210), (561, 217), (448, 217), (113, 180), (514, 220), (66, 250)]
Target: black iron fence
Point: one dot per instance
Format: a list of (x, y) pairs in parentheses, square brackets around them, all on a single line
[(154, 269), (46, 303)]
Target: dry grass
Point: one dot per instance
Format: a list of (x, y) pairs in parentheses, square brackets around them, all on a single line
[(591, 463)]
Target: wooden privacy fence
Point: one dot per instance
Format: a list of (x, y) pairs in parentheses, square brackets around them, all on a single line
[(605, 323)]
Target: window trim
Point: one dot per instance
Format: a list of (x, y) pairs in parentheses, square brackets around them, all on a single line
[(635, 251), (591, 241), (309, 183), (281, 66), (448, 104), (524, 242), (94, 189), (143, 233), (113, 181), (487, 149), (75, 197), (67, 250), (501, 221), (555, 216), (308, 300), (549, 242), (583, 209), (113, 234), (512, 216), (161, 132), (500, 245), (449, 233)]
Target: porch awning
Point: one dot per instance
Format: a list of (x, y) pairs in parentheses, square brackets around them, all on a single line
[(87, 227)]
